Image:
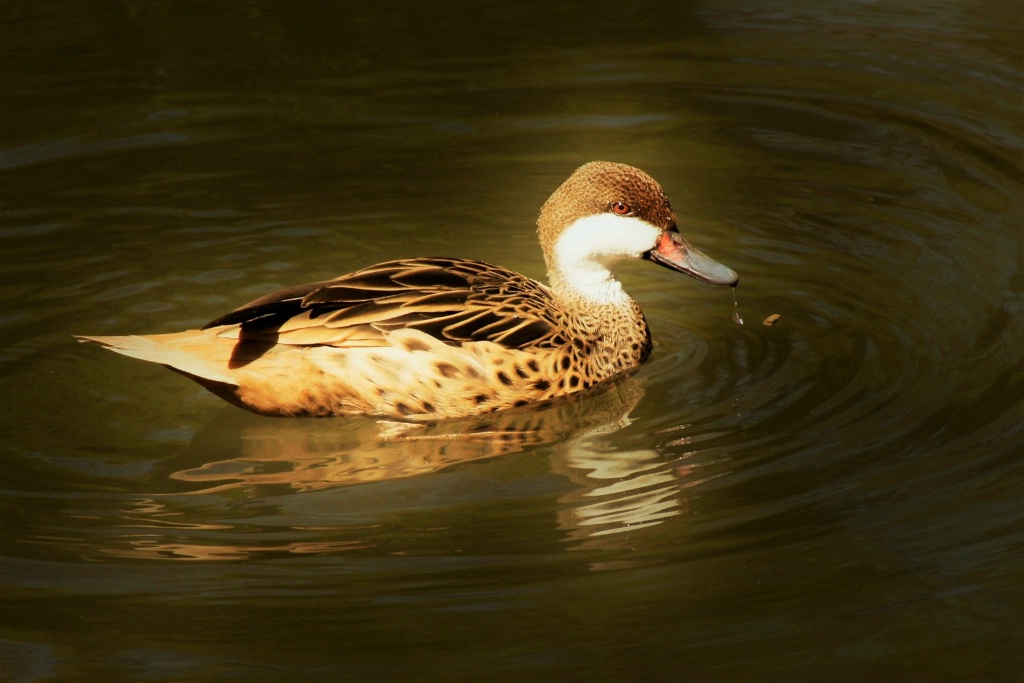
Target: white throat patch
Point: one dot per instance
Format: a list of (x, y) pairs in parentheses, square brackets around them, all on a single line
[(586, 249)]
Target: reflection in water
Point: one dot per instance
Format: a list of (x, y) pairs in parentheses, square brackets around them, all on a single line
[(152, 549), (622, 491), (307, 455), (152, 514), (618, 490)]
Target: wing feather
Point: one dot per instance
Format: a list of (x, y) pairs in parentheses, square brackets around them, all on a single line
[(453, 300)]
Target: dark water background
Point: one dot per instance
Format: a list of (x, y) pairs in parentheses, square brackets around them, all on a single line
[(835, 497)]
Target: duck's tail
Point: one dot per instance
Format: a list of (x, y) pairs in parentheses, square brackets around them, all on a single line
[(194, 352)]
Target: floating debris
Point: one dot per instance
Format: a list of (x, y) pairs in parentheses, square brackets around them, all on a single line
[(770, 320)]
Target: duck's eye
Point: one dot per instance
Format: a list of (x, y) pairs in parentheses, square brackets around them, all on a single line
[(622, 208)]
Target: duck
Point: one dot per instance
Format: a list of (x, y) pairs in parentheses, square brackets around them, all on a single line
[(428, 339)]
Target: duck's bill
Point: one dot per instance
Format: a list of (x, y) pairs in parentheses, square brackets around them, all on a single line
[(672, 251)]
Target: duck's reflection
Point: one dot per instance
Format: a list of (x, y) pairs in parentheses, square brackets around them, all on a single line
[(306, 455), (615, 489), (621, 491)]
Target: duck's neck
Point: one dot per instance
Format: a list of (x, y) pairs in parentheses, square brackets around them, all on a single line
[(582, 278), (589, 286), (601, 313)]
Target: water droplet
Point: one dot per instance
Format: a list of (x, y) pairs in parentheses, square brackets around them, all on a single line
[(736, 309)]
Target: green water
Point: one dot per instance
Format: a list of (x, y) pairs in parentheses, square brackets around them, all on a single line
[(833, 497)]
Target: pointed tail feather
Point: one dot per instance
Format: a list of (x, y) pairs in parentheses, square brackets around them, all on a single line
[(193, 352)]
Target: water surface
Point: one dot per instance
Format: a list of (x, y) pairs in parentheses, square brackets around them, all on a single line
[(832, 497)]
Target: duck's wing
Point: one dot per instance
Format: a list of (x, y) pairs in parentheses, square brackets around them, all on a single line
[(452, 300)]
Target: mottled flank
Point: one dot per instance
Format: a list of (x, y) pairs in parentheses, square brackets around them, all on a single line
[(435, 338)]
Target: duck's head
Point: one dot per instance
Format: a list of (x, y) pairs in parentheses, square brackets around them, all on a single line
[(605, 212)]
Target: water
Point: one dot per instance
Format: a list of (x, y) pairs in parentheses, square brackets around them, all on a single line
[(736, 318), (835, 496)]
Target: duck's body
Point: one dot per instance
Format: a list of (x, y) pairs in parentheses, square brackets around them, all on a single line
[(436, 338)]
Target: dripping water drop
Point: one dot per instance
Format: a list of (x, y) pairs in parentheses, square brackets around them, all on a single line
[(736, 309)]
